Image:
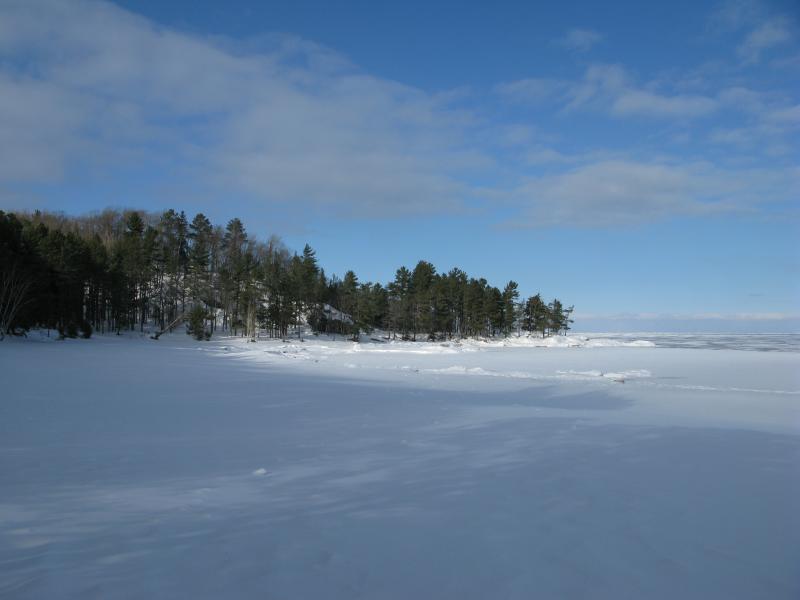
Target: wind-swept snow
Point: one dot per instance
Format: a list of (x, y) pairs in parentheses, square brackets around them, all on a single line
[(132, 468)]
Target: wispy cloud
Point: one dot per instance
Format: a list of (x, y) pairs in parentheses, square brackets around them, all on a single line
[(87, 87), (580, 40), (732, 15), (611, 89), (767, 123), (88, 83), (618, 193), (761, 25), (643, 102), (533, 90), (789, 116), (767, 35)]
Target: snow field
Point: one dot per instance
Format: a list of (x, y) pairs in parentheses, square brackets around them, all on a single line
[(131, 468)]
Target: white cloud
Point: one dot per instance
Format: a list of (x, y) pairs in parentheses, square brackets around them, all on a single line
[(607, 88), (614, 193), (87, 83), (580, 40), (769, 123), (790, 63), (763, 29), (538, 156), (737, 136), (642, 102), (599, 86), (532, 90), (767, 35), (789, 116), (86, 87), (743, 99), (39, 123), (610, 88), (735, 14), (513, 135)]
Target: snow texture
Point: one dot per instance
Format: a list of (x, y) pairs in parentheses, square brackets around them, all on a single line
[(563, 468)]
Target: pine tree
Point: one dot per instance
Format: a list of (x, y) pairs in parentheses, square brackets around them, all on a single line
[(555, 316), (400, 312), (309, 279), (509, 315), (567, 321), (233, 273), (199, 259), (422, 312), (535, 315), (120, 270), (349, 302), (196, 323)]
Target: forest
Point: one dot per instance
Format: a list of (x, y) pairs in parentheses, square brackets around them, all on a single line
[(131, 270)]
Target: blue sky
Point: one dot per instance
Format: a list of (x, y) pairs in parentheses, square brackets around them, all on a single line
[(639, 160)]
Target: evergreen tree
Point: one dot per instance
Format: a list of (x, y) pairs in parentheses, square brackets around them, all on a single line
[(567, 320), (556, 319), (509, 313), (196, 323), (130, 269), (536, 315), (401, 308), (422, 311), (233, 272), (350, 302), (199, 259)]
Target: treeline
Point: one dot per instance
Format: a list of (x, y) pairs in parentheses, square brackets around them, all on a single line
[(116, 271)]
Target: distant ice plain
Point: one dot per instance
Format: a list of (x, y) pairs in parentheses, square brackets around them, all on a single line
[(132, 468)]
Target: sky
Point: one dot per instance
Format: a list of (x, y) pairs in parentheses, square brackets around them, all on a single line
[(639, 160)]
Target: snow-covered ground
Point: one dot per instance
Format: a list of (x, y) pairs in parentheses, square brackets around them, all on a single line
[(588, 468)]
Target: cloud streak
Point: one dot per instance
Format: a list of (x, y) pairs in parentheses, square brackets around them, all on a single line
[(580, 40), (609, 89), (619, 193), (764, 37)]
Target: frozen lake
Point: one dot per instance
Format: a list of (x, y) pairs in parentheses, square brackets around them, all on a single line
[(131, 468)]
